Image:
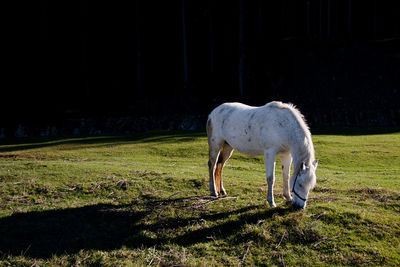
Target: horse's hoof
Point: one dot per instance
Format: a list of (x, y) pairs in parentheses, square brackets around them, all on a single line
[(214, 194), (289, 202), (223, 193), (272, 205)]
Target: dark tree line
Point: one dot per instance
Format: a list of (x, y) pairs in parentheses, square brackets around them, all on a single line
[(186, 56)]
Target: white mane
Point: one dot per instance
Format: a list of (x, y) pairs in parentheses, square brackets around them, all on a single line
[(307, 154)]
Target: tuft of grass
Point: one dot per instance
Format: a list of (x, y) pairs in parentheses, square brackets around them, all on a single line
[(143, 200)]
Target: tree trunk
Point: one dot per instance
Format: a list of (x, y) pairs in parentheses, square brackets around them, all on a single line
[(241, 47), (84, 40), (260, 27), (184, 40), (211, 25), (320, 20), (328, 32), (349, 20), (138, 50), (44, 21), (374, 18), (308, 19)]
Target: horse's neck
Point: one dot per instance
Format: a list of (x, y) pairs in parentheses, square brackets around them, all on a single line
[(302, 150)]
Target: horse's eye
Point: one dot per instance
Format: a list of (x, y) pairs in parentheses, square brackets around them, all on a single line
[(301, 186)]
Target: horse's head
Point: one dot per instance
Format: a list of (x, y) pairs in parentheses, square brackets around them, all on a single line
[(302, 183)]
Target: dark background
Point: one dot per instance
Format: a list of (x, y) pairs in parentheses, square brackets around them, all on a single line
[(337, 60)]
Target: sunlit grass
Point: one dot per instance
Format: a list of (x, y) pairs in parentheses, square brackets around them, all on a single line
[(144, 200)]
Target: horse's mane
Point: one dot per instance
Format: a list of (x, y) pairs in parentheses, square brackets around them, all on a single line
[(299, 117), (308, 155)]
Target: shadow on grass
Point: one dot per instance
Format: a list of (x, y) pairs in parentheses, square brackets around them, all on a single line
[(10, 145), (42, 234), (108, 227)]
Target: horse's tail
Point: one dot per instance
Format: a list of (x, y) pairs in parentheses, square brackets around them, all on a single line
[(209, 127)]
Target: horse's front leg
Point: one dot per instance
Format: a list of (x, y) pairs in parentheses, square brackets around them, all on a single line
[(269, 157), (286, 162)]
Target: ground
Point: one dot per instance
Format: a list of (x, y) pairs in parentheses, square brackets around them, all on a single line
[(143, 200)]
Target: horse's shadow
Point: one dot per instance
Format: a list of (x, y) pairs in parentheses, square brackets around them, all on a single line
[(42, 234)]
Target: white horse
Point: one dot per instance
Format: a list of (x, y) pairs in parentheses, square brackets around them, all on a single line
[(275, 129)]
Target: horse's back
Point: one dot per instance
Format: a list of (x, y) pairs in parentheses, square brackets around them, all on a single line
[(235, 114), (251, 130)]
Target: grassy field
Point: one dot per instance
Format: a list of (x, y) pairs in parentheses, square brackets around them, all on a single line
[(143, 200)]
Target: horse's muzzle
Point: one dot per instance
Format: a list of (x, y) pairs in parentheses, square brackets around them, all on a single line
[(298, 206)]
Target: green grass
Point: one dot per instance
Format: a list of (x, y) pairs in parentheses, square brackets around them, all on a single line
[(143, 200)]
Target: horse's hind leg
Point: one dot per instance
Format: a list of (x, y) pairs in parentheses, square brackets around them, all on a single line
[(224, 155), (219, 153), (214, 147), (212, 162)]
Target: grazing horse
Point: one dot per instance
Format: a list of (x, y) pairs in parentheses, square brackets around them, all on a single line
[(275, 129)]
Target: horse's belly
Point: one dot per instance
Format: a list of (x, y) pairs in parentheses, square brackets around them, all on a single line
[(247, 147), (250, 152)]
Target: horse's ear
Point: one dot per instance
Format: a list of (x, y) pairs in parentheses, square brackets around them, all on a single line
[(303, 166), (315, 164)]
